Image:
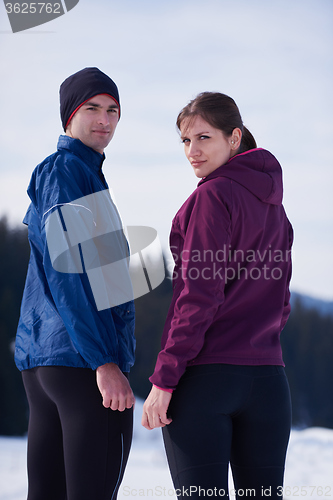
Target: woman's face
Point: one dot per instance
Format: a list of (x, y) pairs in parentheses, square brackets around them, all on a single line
[(206, 147)]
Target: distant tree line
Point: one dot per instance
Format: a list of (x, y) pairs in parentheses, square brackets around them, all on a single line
[(307, 342), (14, 257)]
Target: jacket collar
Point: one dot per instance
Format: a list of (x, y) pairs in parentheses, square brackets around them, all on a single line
[(257, 170), (91, 157)]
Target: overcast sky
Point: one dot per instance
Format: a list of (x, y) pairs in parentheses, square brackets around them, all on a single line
[(273, 57)]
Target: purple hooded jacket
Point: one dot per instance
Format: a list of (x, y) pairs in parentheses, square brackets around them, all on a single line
[(231, 242)]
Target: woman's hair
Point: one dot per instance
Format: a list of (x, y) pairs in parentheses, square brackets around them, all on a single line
[(221, 112)]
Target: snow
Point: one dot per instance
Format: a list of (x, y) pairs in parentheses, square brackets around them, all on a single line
[(309, 466)]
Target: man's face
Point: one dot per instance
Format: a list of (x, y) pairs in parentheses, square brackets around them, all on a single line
[(94, 122)]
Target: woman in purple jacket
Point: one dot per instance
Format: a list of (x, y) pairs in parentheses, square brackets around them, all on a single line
[(219, 387)]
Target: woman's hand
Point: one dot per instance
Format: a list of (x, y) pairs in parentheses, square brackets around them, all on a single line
[(155, 409)]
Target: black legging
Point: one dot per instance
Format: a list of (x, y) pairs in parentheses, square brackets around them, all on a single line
[(229, 414), (77, 449)]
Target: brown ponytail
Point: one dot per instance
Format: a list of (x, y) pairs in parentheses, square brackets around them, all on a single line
[(248, 141)]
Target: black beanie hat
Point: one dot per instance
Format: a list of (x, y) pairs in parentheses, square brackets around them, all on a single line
[(82, 86)]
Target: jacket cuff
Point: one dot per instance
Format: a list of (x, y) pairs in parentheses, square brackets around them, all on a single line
[(162, 389)]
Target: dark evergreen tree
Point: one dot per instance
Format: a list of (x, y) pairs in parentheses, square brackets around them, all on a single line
[(307, 343), (151, 311), (14, 256)]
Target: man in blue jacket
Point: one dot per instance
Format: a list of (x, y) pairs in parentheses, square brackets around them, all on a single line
[(73, 350)]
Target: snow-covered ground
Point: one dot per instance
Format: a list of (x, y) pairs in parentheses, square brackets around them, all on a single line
[(309, 469)]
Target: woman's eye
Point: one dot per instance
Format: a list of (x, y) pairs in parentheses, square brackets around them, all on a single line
[(204, 137), (184, 141)]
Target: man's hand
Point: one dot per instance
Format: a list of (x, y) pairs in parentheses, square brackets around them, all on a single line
[(155, 409), (114, 387)]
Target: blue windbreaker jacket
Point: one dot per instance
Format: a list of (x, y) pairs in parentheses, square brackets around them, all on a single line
[(60, 323)]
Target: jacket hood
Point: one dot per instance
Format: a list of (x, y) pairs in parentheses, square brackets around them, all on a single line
[(258, 171)]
